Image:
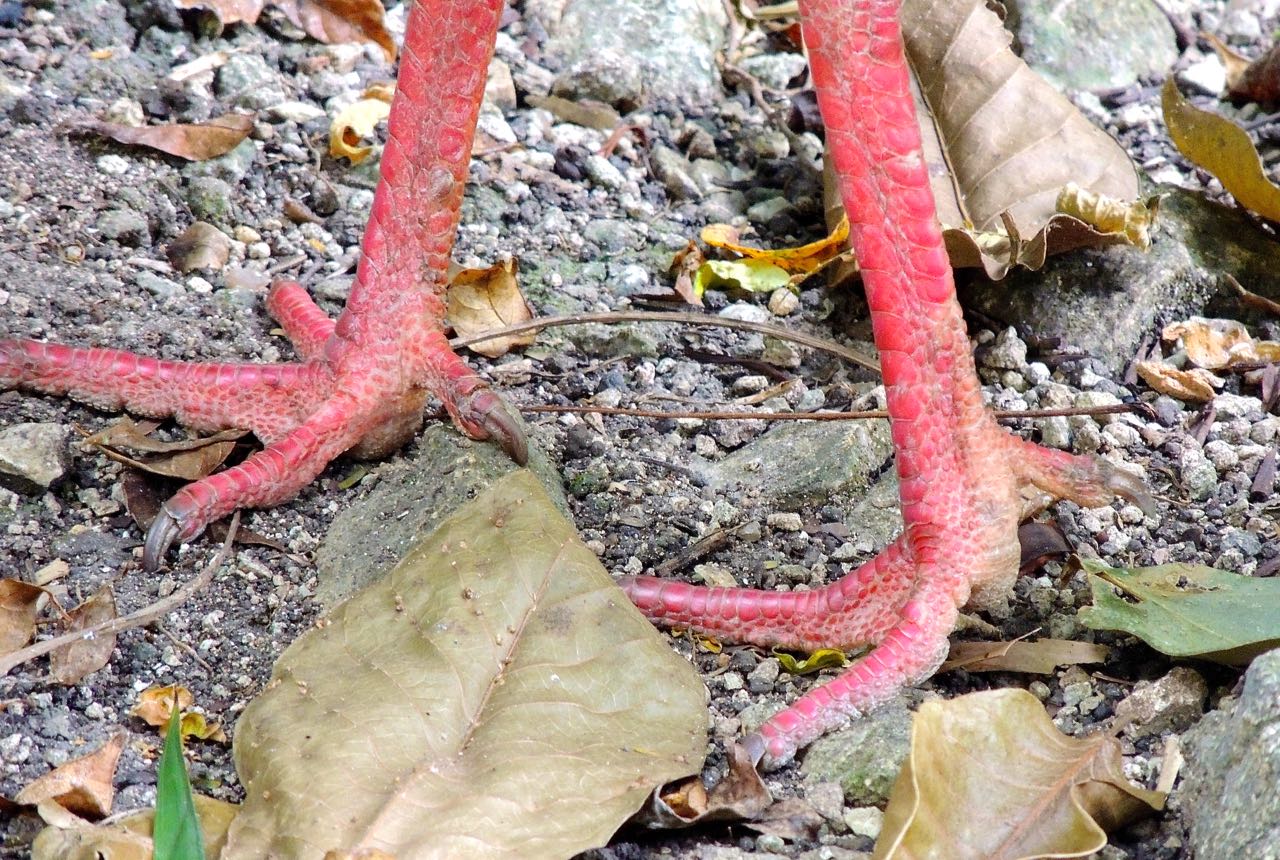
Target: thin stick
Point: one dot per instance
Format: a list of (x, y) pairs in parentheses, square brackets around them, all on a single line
[(145, 615), (716, 415), (847, 353)]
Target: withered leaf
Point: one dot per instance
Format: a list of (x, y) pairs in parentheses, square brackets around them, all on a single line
[(1040, 657), (83, 785), (19, 604), (740, 796), (1196, 385), (194, 142), (228, 11), (481, 300), (127, 441), (332, 21), (353, 125), (200, 246), (127, 837), (990, 776), (71, 663)]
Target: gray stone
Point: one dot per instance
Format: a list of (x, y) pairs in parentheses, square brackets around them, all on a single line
[(439, 474), (161, 288), (608, 76), (865, 757), (124, 226), (801, 463), (1198, 474), (675, 173), (775, 69), (1094, 44), (247, 81), (612, 235), (672, 42), (33, 457), (1173, 702), (209, 199), (1105, 300), (1229, 792)]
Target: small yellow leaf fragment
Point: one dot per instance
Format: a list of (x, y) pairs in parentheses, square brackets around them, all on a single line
[(800, 260), (155, 704), (1196, 384), (1217, 344), (353, 125), (823, 658), (1107, 215)]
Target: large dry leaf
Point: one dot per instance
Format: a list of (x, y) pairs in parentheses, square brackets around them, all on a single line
[(1187, 610), (740, 795), (495, 695), (482, 300), (1222, 148), (83, 785), (989, 776), (1040, 657), (69, 837), (130, 442), (71, 663), (332, 21), (228, 11), (1002, 143), (19, 605), (197, 142)]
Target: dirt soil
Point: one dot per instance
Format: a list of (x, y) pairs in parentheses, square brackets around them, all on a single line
[(84, 225)]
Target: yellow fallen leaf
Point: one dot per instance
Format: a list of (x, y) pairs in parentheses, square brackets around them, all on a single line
[(1196, 384), (155, 704), (801, 260), (1222, 148), (481, 300), (1132, 218), (752, 275), (355, 124)]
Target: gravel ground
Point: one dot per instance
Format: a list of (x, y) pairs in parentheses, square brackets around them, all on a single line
[(84, 225)]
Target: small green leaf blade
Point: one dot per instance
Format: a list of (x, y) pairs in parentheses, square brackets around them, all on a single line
[(1186, 610), (177, 828)]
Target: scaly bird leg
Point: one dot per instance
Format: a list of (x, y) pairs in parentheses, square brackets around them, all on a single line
[(961, 476), (366, 376)]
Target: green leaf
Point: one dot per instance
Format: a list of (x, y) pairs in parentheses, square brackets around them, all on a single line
[(177, 828), (1187, 610), (494, 695), (823, 658), (756, 276)]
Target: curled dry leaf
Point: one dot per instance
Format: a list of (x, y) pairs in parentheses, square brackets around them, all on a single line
[(1257, 80), (740, 796), (481, 300), (70, 664), (1219, 344), (989, 776), (200, 246), (1222, 148), (1196, 385), (197, 142), (684, 266), (353, 125), (1186, 610), (19, 605), (1132, 218), (69, 837), (128, 441), (1040, 657), (332, 21), (493, 695), (81, 786), (800, 260), (155, 704), (228, 11)]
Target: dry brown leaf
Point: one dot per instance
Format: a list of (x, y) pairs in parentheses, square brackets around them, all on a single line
[(1132, 218), (989, 776), (83, 785), (71, 663), (1219, 344), (1195, 385), (128, 441), (1001, 143), (228, 11), (1040, 657), (684, 266), (69, 837), (481, 300), (197, 142), (586, 113), (1257, 80), (353, 125), (740, 796), (19, 605), (200, 246), (1222, 148), (331, 21)]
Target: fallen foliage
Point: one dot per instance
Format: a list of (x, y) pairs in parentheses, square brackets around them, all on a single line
[(194, 142)]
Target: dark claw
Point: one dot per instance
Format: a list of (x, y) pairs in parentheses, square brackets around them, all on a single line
[(504, 428), (164, 530), (754, 746), (1132, 489)]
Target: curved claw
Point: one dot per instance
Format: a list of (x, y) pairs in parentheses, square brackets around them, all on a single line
[(160, 536), (1131, 488), (487, 416)]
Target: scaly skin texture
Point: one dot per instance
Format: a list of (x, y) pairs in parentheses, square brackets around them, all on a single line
[(965, 483), (363, 380)]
